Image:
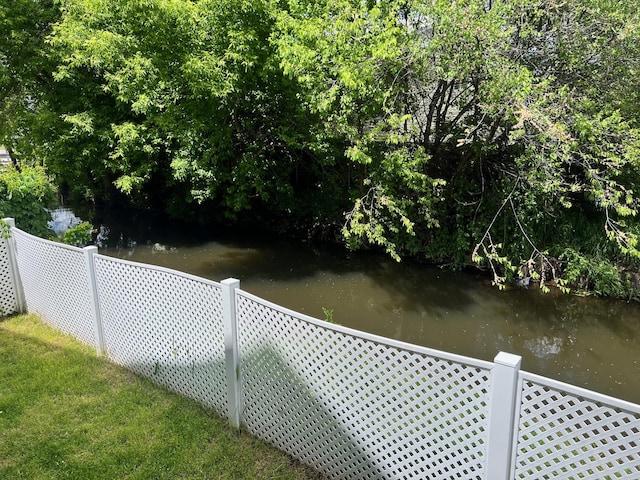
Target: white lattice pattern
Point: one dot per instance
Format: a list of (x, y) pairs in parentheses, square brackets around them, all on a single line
[(8, 300), (56, 284), (356, 408), (164, 325), (567, 436), (352, 405)]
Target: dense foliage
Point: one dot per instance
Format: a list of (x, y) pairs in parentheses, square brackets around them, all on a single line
[(24, 195), (503, 132)]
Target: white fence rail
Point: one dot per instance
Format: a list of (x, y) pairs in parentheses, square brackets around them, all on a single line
[(350, 404)]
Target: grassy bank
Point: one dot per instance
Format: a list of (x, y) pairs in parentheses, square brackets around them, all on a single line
[(65, 414)]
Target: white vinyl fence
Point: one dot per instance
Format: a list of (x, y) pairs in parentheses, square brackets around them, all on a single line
[(350, 404), (8, 296)]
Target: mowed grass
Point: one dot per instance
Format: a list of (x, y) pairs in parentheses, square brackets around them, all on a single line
[(66, 414)]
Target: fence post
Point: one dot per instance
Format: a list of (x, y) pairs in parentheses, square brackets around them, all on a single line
[(231, 349), (21, 304), (502, 415), (89, 252)]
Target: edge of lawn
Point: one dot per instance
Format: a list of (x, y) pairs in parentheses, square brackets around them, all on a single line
[(65, 413)]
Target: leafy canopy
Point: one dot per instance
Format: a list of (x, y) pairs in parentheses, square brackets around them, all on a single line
[(504, 132)]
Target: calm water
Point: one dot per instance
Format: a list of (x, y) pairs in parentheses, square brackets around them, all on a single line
[(588, 342)]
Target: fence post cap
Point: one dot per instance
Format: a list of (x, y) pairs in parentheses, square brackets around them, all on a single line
[(230, 281), (508, 359), (90, 248)]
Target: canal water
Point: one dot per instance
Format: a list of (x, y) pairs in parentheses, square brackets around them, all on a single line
[(589, 342)]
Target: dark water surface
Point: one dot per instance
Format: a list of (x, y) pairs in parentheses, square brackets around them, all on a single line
[(588, 342)]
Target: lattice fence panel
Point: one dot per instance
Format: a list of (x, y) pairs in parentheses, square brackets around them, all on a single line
[(563, 435), (356, 408), (164, 325), (56, 285), (8, 299)]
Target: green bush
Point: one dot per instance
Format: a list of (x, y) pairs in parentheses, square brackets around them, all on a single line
[(78, 236), (593, 274), (25, 195)]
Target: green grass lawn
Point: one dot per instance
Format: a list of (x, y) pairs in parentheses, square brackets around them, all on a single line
[(66, 414)]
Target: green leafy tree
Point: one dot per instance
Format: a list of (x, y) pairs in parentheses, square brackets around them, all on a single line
[(25, 77), (503, 132), (350, 59), (496, 119), (182, 95), (576, 138)]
